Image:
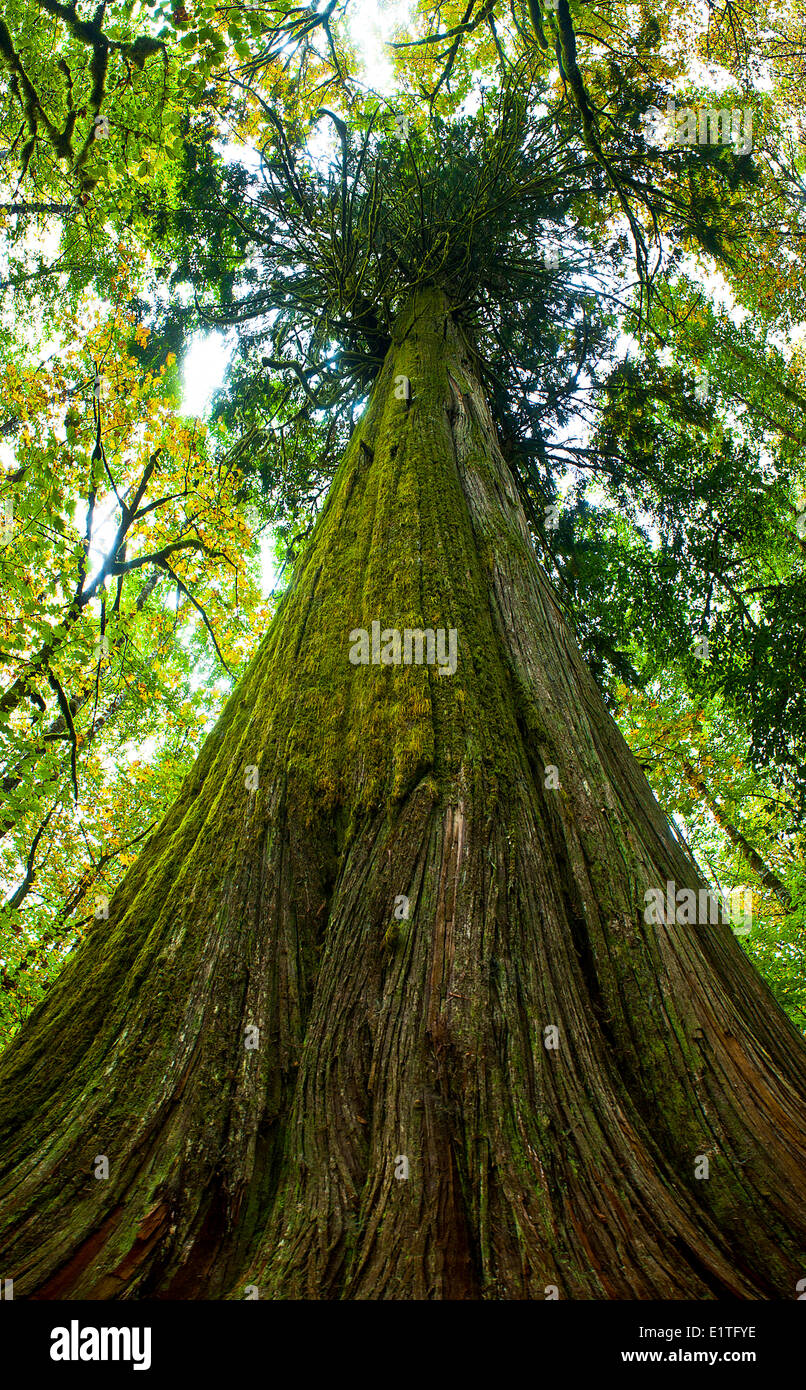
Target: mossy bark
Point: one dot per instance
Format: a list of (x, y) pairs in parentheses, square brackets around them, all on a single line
[(500, 801)]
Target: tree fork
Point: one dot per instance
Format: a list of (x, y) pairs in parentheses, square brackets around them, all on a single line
[(259, 1034)]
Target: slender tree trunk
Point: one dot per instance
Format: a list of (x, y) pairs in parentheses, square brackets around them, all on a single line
[(498, 805), (58, 727), (739, 841)]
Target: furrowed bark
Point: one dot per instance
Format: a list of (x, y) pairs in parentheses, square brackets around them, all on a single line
[(503, 804)]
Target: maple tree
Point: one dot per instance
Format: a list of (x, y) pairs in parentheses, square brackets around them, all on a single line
[(125, 562)]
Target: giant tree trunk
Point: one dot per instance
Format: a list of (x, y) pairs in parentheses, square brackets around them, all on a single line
[(381, 1037)]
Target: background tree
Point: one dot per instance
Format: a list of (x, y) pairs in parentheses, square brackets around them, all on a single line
[(124, 565)]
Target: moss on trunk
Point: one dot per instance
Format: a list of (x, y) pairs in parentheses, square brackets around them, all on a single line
[(502, 804)]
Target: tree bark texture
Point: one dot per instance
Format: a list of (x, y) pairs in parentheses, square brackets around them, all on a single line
[(503, 804)]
